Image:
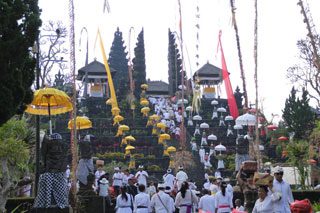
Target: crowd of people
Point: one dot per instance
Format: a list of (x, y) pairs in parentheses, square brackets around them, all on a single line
[(127, 191), (175, 193)]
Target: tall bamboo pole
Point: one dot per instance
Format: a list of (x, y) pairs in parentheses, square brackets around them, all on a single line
[(257, 150), (235, 26), (74, 145), (182, 127)]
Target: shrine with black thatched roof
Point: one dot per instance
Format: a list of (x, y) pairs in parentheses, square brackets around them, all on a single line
[(207, 77), (95, 80)]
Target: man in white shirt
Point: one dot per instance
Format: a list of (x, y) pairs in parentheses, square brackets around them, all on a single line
[(169, 179), (142, 175), (207, 202), (142, 201), (206, 185), (181, 177), (161, 202), (283, 189), (125, 177), (117, 180), (202, 154), (229, 188), (194, 147)]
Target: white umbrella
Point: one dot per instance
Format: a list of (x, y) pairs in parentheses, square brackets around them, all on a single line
[(185, 101), (246, 120), (221, 109), (197, 118), (189, 108), (228, 118), (212, 137), (237, 127), (220, 148), (204, 126), (214, 102)]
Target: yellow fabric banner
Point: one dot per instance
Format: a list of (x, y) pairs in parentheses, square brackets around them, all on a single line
[(114, 103)]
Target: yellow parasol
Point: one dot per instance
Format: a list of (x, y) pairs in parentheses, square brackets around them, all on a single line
[(154, 117), (171, 149), (82, 122), (129, 147), (161, 126), (125, 140), (144, 86), (145, 111), (117, 119), (165, 152), (163, 137), (144, 102), (49, 101), (130, 138), (121, 129)]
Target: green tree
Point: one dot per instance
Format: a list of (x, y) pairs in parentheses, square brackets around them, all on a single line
[(14, 156), (139, 65), (298, 154), (297, 114), (174, 63), (118, 61), (19, 24)]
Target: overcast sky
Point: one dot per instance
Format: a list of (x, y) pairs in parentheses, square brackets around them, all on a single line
[(280, 25)]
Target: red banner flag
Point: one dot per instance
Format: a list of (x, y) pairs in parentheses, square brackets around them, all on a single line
[(225, 75)]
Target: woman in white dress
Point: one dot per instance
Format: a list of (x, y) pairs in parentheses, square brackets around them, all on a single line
[(185, 199), (124, 202), (223, 200), (265, 202)]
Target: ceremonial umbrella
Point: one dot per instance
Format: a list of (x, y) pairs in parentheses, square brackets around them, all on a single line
[(145, 111), (282, 138), (117, 119), (189, 108), (214, 102), (204, 125), (228, 118), (49, 101), (197, 118), (130, 138), (171, 149), (272, 127), (182, 101), (246, 120), (220, 148), (221, 109), (154, 117), (129, 147), (161, 125), (82, 122), (144, 86), (212, 137)]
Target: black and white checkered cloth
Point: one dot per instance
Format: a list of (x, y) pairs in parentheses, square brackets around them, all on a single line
[(52, 189), (55, 136)]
